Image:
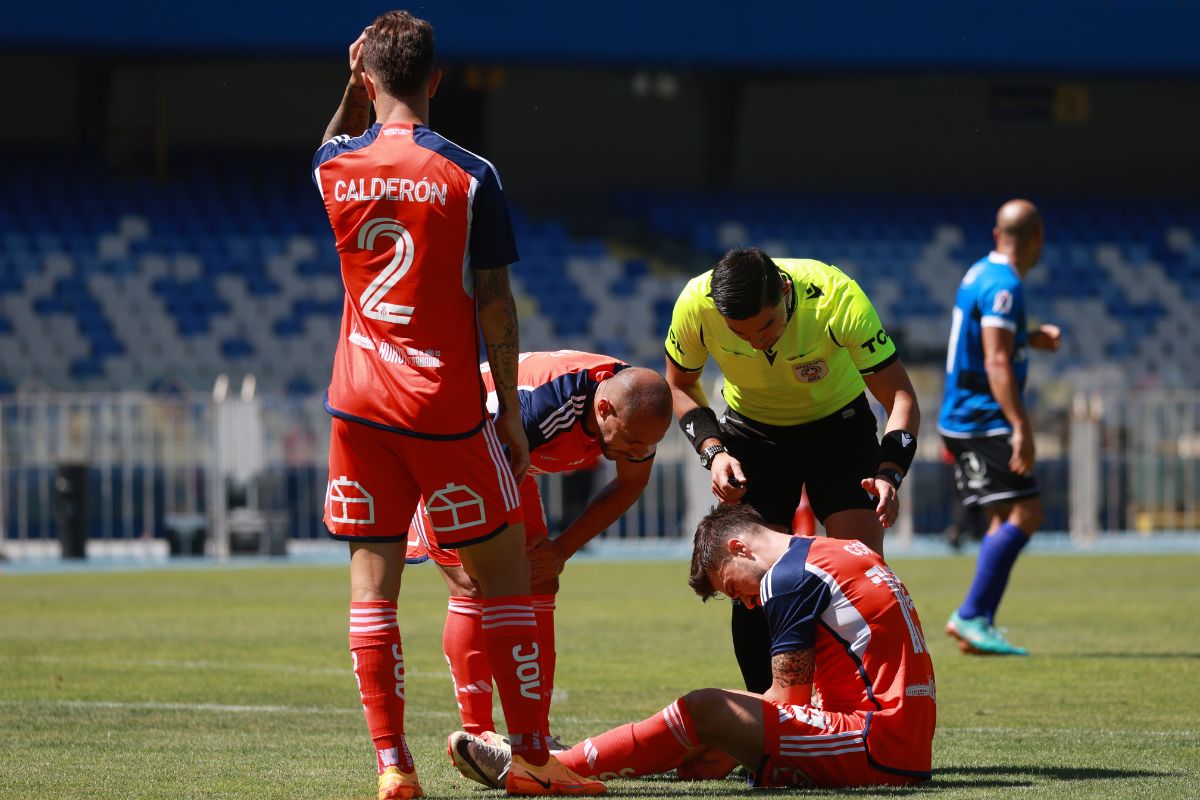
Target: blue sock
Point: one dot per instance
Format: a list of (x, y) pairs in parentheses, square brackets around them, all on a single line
[(997, 555)]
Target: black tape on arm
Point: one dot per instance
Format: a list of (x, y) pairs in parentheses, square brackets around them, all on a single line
[(699, 425)]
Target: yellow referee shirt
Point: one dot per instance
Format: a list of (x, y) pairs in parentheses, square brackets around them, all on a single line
[(832, 338)]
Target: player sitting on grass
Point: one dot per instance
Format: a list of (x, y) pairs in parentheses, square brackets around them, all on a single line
[(576, 407), (843, 629)]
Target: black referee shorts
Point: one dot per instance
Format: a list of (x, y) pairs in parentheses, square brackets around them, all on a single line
[(830, 456)]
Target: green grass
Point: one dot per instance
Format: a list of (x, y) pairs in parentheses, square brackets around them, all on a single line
[(235, 683)]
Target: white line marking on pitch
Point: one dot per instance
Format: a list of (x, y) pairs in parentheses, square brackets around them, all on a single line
[(212, 665)]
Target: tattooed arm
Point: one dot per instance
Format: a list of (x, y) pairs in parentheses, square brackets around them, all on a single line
[(793, 677), (498, 319), (354, 114)]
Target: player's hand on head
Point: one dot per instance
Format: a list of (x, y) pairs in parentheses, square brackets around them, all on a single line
[(888, 506), (728, 481), (356, 57), (512, 435)]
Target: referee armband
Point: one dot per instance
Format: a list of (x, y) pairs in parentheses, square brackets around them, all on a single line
[(899, 447), (699, 425)]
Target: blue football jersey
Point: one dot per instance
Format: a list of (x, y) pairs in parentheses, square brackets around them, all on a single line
[(990, 295)]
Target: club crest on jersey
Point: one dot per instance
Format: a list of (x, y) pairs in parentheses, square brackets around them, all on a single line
[(454, 508), (811, 371), (349, 503)]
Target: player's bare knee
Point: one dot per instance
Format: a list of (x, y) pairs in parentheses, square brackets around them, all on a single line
[(460, 583), (704, 706), (1028, 515)]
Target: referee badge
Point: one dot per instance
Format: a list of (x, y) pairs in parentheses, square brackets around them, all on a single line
[(811, 371)]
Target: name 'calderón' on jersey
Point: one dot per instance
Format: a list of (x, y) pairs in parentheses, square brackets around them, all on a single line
[(402, 190)]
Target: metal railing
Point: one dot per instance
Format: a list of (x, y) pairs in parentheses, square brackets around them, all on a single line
[(161, 469)]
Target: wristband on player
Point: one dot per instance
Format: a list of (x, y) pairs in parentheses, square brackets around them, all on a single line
[(891, 476), (899, 447), (699, 425)]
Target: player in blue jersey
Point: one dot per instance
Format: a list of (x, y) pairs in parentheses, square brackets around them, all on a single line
[(983, 419)]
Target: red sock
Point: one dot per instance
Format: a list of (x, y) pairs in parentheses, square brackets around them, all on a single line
[(379, 669), (654, 745), (462, 642), (543, 610), (510, 637)]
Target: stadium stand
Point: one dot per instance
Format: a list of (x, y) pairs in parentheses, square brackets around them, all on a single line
[(126, 283)]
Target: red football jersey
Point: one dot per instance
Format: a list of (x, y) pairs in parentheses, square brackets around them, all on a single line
[(842, 599), (555, 390), (413, 216)]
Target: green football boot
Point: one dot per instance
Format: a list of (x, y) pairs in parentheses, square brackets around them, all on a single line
[(976, 635)]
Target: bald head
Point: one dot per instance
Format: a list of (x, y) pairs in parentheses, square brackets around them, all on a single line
[(641, 391), (1018, 218), (1018, 233), (633, 413)]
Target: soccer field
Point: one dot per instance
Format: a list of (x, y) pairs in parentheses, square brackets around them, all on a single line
[(235, 682)]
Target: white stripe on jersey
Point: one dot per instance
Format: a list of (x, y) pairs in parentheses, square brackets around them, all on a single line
[(841, 616), (973, 435), (468, 277), (997, 322), (491, 166), (765, 586), (564, 416)]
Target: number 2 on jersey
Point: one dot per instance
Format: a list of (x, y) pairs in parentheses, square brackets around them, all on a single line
[(371, 300)]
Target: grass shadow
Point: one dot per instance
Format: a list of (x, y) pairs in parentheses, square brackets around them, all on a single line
[(973, 777), (1054, 773)]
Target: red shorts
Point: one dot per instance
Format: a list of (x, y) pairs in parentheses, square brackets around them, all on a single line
[(422, 545), (377, 477), (806, 746)]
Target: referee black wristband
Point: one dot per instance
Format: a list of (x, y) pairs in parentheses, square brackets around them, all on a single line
[(899, 447), (699, 425)]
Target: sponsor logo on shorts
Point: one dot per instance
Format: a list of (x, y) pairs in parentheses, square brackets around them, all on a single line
[(973, 470), (857, 549), (454, 508), (811, 371), (349, 503)]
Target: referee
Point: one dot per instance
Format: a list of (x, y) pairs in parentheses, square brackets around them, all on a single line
[(798, 343)]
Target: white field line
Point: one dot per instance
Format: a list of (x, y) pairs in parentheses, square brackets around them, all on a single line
[(223, 666), (277, 709)]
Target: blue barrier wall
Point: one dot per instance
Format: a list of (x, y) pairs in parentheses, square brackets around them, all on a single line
[(1116, 36)]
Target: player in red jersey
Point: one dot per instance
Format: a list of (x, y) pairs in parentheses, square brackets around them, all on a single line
[(852, 702), (424, 237), (576, 408)]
